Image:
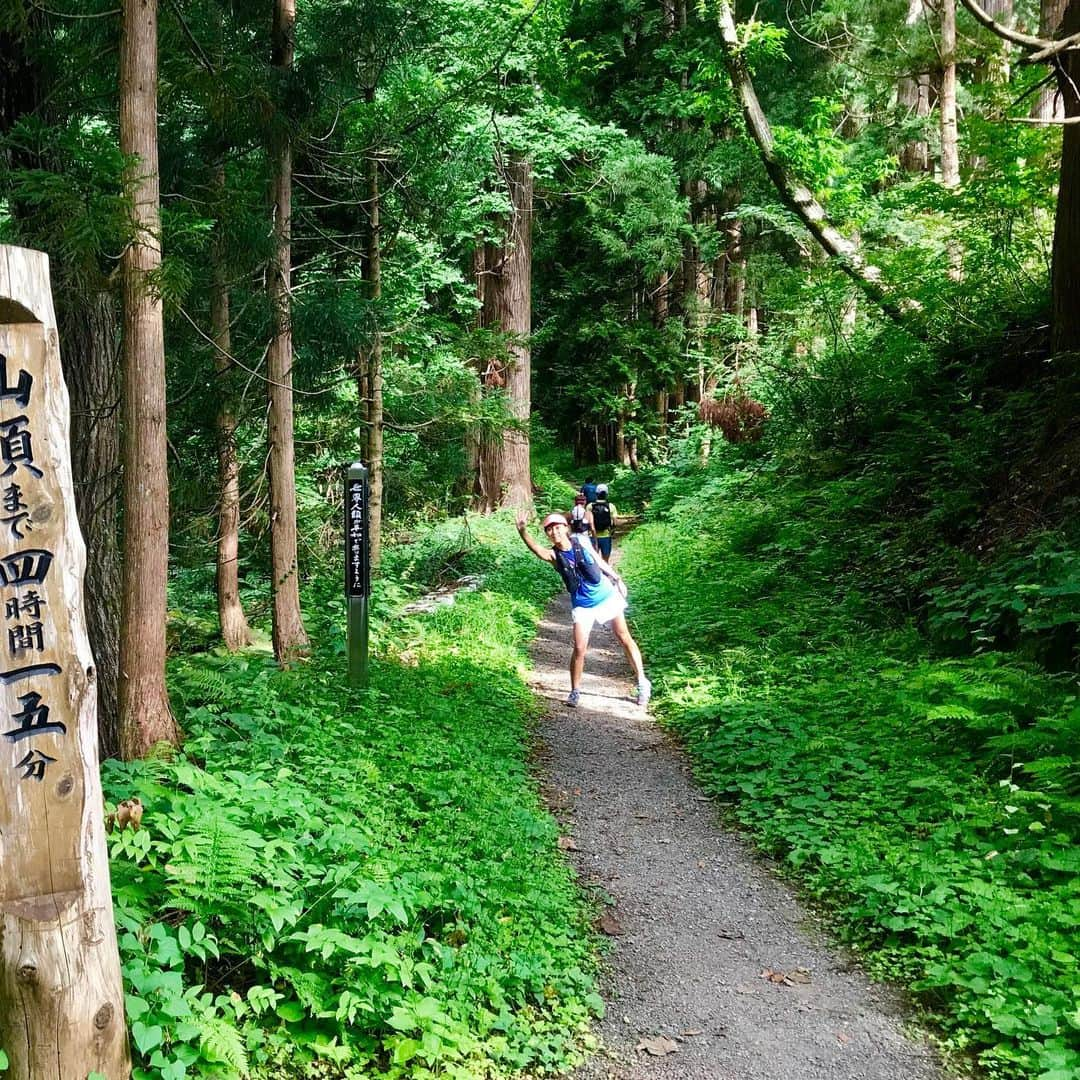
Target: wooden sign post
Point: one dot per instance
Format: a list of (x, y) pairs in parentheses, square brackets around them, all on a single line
[(61, 998), (357, 570)]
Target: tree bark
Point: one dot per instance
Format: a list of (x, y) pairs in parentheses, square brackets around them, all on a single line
[(145, 716), (90, 332), (235, 632), (375, 366), (913, 95), (1065, 273), (467, 485), (290, 637), (61, 997), (950, 153), (503, 477), (1048, 105)]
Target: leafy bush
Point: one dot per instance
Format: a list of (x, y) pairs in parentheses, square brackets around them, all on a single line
[(1027, 598)]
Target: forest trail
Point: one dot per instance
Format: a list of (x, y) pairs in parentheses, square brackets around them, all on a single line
[(695, 918)]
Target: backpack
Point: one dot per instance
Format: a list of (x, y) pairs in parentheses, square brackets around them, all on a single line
[(601, 516), (578, 524), (581, 568)]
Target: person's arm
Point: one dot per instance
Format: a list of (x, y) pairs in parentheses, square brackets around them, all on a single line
[(606, 569), (592, 524), (544, 554), (614, 519)]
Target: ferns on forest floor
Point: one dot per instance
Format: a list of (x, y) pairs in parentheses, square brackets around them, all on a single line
[(364, 880)]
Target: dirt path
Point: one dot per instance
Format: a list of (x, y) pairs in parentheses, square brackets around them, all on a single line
[(697, 918)]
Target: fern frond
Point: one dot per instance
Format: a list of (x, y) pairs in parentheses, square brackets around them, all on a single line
[(222, 1043)]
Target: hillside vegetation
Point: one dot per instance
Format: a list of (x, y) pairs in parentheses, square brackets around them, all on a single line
[(870, 652)]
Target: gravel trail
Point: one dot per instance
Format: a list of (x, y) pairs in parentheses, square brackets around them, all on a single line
[(696, 919)]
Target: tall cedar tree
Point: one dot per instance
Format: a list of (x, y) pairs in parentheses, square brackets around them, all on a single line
[(290, 638), (235, 631), (1065, 276), (374, 360), (145, 716), (502, 475)]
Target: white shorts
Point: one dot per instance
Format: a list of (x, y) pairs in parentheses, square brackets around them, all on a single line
[(603, 613)]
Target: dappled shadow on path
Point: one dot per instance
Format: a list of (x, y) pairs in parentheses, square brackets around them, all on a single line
[(695, 919)]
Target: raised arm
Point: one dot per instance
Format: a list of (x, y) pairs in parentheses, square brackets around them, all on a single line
[(544, 554)]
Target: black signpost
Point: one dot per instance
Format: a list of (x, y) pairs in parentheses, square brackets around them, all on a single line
[(357, 570)]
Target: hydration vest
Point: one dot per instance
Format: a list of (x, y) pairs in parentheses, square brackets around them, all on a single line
[(577, 567)]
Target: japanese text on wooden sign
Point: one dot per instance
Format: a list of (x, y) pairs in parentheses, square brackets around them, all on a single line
[(26, 645), (357, 573)]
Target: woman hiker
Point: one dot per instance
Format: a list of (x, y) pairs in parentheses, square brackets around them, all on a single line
[(597, 595)]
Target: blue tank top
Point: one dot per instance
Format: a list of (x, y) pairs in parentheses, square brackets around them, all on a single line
[(585, 581)]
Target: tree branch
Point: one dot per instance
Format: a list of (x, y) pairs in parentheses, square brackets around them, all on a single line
[(1044, 48), (794, 194)]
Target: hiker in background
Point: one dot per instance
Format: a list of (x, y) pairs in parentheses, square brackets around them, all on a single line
[(603, 521), (581, 521), (597, 595), (589, 489)]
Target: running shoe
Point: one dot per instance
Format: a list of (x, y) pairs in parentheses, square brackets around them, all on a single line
[(574, 700), (644, 693)]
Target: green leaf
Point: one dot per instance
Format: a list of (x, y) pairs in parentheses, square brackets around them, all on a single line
[(146, 1037), (291, 1011)]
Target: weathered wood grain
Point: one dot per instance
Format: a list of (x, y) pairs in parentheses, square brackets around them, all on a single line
[(61, 999)]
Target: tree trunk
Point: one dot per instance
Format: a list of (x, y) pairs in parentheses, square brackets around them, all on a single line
[(661, 406), (90, 332), (235, 631), (503, 477), (375, 367), (61, 998), (913, 95), (996, 68), (1065, 274), (950, 154), (290, 638), (467, 483), (145, 716), (731, 285), (1048, 104)]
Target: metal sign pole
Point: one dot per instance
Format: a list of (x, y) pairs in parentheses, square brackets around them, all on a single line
[(357, 570)]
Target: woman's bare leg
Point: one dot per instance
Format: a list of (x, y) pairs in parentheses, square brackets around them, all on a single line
[(630, 646), (577, 658)]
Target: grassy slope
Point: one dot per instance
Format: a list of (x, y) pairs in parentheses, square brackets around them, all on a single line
[(891, 782), (366, 878)]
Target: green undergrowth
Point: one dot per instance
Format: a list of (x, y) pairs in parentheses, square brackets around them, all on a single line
[(342, 883), (931, 801)]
